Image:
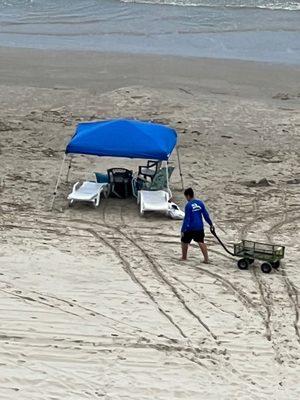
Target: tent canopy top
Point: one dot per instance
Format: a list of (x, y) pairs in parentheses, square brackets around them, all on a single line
[(123, 138)]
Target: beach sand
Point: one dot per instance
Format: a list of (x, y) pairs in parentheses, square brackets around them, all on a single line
[(94, 302)]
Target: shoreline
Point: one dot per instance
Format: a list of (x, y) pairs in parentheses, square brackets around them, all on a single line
[(154, 55), (47, 68)]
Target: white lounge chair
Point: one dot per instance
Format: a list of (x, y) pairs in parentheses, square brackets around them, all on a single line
[(87, 192), (153, 200)]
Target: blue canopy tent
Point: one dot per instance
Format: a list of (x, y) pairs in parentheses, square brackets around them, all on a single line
[(122, 138)]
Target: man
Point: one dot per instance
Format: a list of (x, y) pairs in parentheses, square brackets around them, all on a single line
[(192, 226)]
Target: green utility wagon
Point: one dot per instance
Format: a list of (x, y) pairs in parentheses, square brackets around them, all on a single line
[(270, 254)]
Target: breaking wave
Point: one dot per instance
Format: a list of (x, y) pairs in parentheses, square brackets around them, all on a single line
[(279, 5)]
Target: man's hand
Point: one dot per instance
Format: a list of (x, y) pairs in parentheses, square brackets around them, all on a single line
[(212, 229)]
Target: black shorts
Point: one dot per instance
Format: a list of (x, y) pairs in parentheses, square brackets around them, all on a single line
[(197, 236)]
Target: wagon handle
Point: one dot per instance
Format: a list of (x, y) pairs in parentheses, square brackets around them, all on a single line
[(213, 231)]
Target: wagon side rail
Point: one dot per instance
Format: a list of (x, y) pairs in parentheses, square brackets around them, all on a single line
[(260, 251)]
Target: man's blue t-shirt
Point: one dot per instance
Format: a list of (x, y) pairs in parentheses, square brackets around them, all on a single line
[(194, 210)]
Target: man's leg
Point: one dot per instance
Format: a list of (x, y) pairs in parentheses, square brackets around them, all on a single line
[(203, 248), (184, 248)]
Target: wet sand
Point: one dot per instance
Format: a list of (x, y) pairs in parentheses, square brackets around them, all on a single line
[(94, 302)]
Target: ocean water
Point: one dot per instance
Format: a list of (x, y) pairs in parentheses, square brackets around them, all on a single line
[(260, 30)]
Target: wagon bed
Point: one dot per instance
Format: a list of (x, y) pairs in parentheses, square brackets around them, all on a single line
[(271, 254), (259, 251)]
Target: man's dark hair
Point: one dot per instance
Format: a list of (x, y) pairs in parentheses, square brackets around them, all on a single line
[(189, 192)]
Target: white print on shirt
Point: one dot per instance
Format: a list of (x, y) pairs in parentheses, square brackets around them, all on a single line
[(196, 207)]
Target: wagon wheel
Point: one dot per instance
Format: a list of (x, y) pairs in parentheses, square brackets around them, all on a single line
[(275, 264), (243, 263), (266, 267)]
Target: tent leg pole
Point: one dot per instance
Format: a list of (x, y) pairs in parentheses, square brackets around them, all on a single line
[(167, 176), (180, 170), (57, 182), (69, 169)]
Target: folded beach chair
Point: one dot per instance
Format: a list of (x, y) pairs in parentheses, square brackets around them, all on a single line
[(87, 192), (157, 200), (159, 182), (149, 170)]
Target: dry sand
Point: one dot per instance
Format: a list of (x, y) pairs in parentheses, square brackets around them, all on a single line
[(94, 302)]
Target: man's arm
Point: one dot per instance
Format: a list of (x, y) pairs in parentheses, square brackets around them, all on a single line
[(206, 215), (187, 218)]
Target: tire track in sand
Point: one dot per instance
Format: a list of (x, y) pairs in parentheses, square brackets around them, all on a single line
[(191, 353), (265, 292), (291, 289), (265, 300), (112, 241), (192, 290), (237, 292), (232, 371), (128, 269), (158, 271), (54, 229), (293, 295)]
